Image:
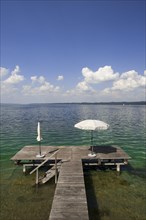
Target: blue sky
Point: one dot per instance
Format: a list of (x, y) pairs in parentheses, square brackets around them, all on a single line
[(72, 51)]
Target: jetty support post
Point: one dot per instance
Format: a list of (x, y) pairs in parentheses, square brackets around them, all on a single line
[(24, 168), (118, 167)]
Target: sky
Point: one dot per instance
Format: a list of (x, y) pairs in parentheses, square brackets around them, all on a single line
[(72, 51)]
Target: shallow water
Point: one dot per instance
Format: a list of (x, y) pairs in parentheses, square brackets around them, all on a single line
[(116, 197), (21, 199)]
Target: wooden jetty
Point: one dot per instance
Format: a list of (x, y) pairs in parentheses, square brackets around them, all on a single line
[(105, 155), (70, 195)]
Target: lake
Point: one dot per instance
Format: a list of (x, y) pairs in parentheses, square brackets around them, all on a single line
[(110, 196)]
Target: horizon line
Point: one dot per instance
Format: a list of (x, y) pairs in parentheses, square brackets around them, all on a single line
[(111, 102)]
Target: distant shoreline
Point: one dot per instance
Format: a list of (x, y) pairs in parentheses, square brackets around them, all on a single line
[(83, 103)]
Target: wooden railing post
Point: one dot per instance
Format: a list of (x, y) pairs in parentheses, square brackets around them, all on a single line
[(36, 169), (37, 176), (43, 162)]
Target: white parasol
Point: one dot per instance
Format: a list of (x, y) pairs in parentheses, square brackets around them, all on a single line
[(92, 125)]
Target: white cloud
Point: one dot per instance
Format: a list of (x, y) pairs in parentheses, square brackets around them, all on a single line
[(16, 70), (11, 85), (107, 85), (43, 89), (101, 85), (15, 77), (33, 78), (122, 95), (26, 89), (3, 72), (40, 79), (48, 87), (60, 78), (128, 81), (39, 86), (8, 89), (84, 87), (129, 74), (103, 74)]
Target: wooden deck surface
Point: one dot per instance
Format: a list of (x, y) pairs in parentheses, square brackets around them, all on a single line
[(70, 201), (67, 152)]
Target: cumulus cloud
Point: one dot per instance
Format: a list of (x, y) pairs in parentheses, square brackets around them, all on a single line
[(15, 77), (3, 72), (109, 85), (40, 90), (9, 90), (84, 87), (48, 87), (39, 86), (128, 81), (33, 78), (103, 84), (40, 79), (36, 87), (11, 84), (105, 73), (60, 78)]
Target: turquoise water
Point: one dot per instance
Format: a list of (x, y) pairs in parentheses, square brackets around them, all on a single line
[(22, 200)]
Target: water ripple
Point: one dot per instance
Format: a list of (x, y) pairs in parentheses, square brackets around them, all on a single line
[(19, 122)]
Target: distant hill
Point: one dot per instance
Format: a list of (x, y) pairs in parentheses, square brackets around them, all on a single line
[(117, 103)]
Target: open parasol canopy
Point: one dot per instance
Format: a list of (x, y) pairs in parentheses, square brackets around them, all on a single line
[(92, 125)]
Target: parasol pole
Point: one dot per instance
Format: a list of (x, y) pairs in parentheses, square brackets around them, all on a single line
[(92, 141), (40, 147), (39, 138)]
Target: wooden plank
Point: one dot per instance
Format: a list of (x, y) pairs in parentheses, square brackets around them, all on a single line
[(70, 190), (69, 216), (74, 206)]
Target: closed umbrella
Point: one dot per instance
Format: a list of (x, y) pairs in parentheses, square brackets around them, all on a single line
[(39, 138), (92, 125)]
